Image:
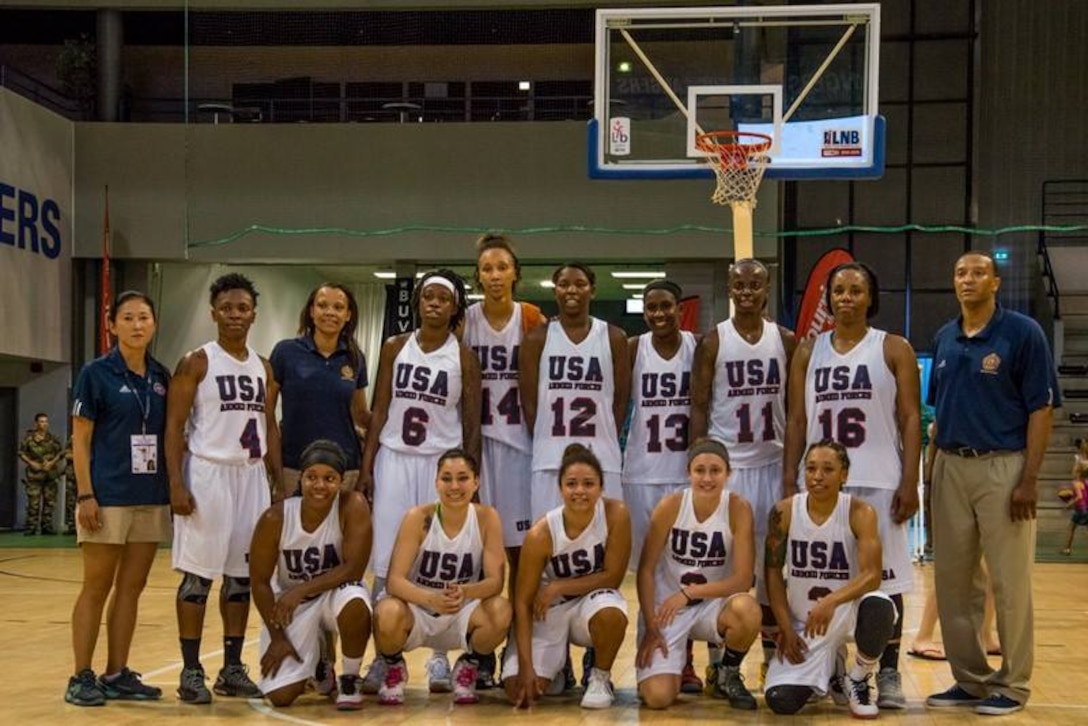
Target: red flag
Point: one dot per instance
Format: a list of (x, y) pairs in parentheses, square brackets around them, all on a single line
[(689, 313), (106, 292), (815, 317)]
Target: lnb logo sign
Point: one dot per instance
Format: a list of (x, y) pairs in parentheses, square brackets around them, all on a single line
[(841, 142), (619, 136)]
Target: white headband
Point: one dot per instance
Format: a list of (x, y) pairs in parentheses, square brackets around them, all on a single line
[(439, 280)]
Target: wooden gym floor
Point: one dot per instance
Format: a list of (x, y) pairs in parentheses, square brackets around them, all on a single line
[(39, 586)]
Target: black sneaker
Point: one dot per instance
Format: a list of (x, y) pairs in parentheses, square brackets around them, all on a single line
[(731, 683), (192, 688), (83, 690), (485, 676), (127, 686), (234, 681)]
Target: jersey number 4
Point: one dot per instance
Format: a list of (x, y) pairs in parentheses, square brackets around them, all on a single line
[(509, 407), (251, 439)]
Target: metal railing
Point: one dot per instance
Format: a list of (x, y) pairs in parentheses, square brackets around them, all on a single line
[(1064, 203), (40, 93), (358, 109)]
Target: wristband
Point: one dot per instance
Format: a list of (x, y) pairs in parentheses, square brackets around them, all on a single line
[(686, 595), (84, 497)]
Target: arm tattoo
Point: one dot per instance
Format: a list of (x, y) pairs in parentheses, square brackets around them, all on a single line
[(775, 550)]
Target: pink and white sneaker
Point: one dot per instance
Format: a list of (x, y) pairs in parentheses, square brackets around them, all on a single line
[(464, 681), (392, 691)]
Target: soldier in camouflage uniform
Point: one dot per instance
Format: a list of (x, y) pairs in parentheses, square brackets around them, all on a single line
[(43, 454), (69, 490)]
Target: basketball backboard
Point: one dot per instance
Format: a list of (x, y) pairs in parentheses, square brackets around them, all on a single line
[(806, 75)]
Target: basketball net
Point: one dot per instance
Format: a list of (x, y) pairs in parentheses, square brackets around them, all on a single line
[(738, 159)]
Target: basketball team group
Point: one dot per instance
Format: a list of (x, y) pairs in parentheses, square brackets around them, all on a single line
[(762, 494)]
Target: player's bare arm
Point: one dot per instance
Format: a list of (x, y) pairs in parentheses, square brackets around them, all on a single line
[(494, 564), (702, 385), (653, 548), (617, 553), (470, 402), (532, 347), (179, 403), (904, 367), (535, 552), (273, 458), (621, 375), (413, 530), (383, 394), (796, 418), (790, 646)]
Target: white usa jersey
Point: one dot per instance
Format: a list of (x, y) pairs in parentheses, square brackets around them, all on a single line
[(227, 422), (305, 555), (574, 398), (657, 444), (501, 416), (425, 410), (819, 558), (748, 406), (578, 557), (443, 561), (696, 552), (851, 398)]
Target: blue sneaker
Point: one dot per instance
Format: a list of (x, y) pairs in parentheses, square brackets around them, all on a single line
[(998, 705), (954, 697)]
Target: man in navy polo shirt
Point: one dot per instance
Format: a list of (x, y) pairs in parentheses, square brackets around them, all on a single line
[(994, 387)]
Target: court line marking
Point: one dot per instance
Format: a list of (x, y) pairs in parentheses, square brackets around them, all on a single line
[(261, 707)]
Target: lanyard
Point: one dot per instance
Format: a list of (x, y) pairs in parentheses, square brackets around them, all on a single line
[(145, 405)]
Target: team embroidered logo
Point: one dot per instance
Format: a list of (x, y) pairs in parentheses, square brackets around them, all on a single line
[(347, 373), (991, 363), (159, 388)]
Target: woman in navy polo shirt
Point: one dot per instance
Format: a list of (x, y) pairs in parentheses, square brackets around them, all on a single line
[(321, 375), (123, 510)]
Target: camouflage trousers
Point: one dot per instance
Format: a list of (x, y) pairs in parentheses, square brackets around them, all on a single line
[(69, 502), (41, 497)]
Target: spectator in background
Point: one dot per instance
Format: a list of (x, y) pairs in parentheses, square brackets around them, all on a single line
[(69, 490), (42, 452)]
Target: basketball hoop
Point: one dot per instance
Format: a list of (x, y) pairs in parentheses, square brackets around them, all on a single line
[(739, 159)]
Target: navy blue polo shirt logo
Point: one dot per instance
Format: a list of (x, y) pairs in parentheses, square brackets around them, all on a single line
[(347, 373), (159, 388), (991, 363)]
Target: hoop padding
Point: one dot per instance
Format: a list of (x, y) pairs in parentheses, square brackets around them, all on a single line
[(739, 159)]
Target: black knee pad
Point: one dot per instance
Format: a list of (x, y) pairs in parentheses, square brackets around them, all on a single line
[(787, 700), (236, 589), (875, 626), (194, 589)]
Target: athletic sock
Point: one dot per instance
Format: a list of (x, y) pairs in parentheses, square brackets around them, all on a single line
[(232, 649), (714, 654), (190, 652), (732, 658), (350, 666), (393, 658), (862, 667), (890, 657)]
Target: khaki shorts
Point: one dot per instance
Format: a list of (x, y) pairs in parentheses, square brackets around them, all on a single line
[(121, 525), (291, 478)]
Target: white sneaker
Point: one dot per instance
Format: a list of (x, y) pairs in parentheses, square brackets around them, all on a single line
[(375, 674), (598, 690), (464, 681), (860, 695), (349, 697), (392, 691), (439, 679)]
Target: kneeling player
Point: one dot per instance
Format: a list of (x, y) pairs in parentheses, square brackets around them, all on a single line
[(445, 583), (572, 562), (306, 564), (693, 581), (829, 542)]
